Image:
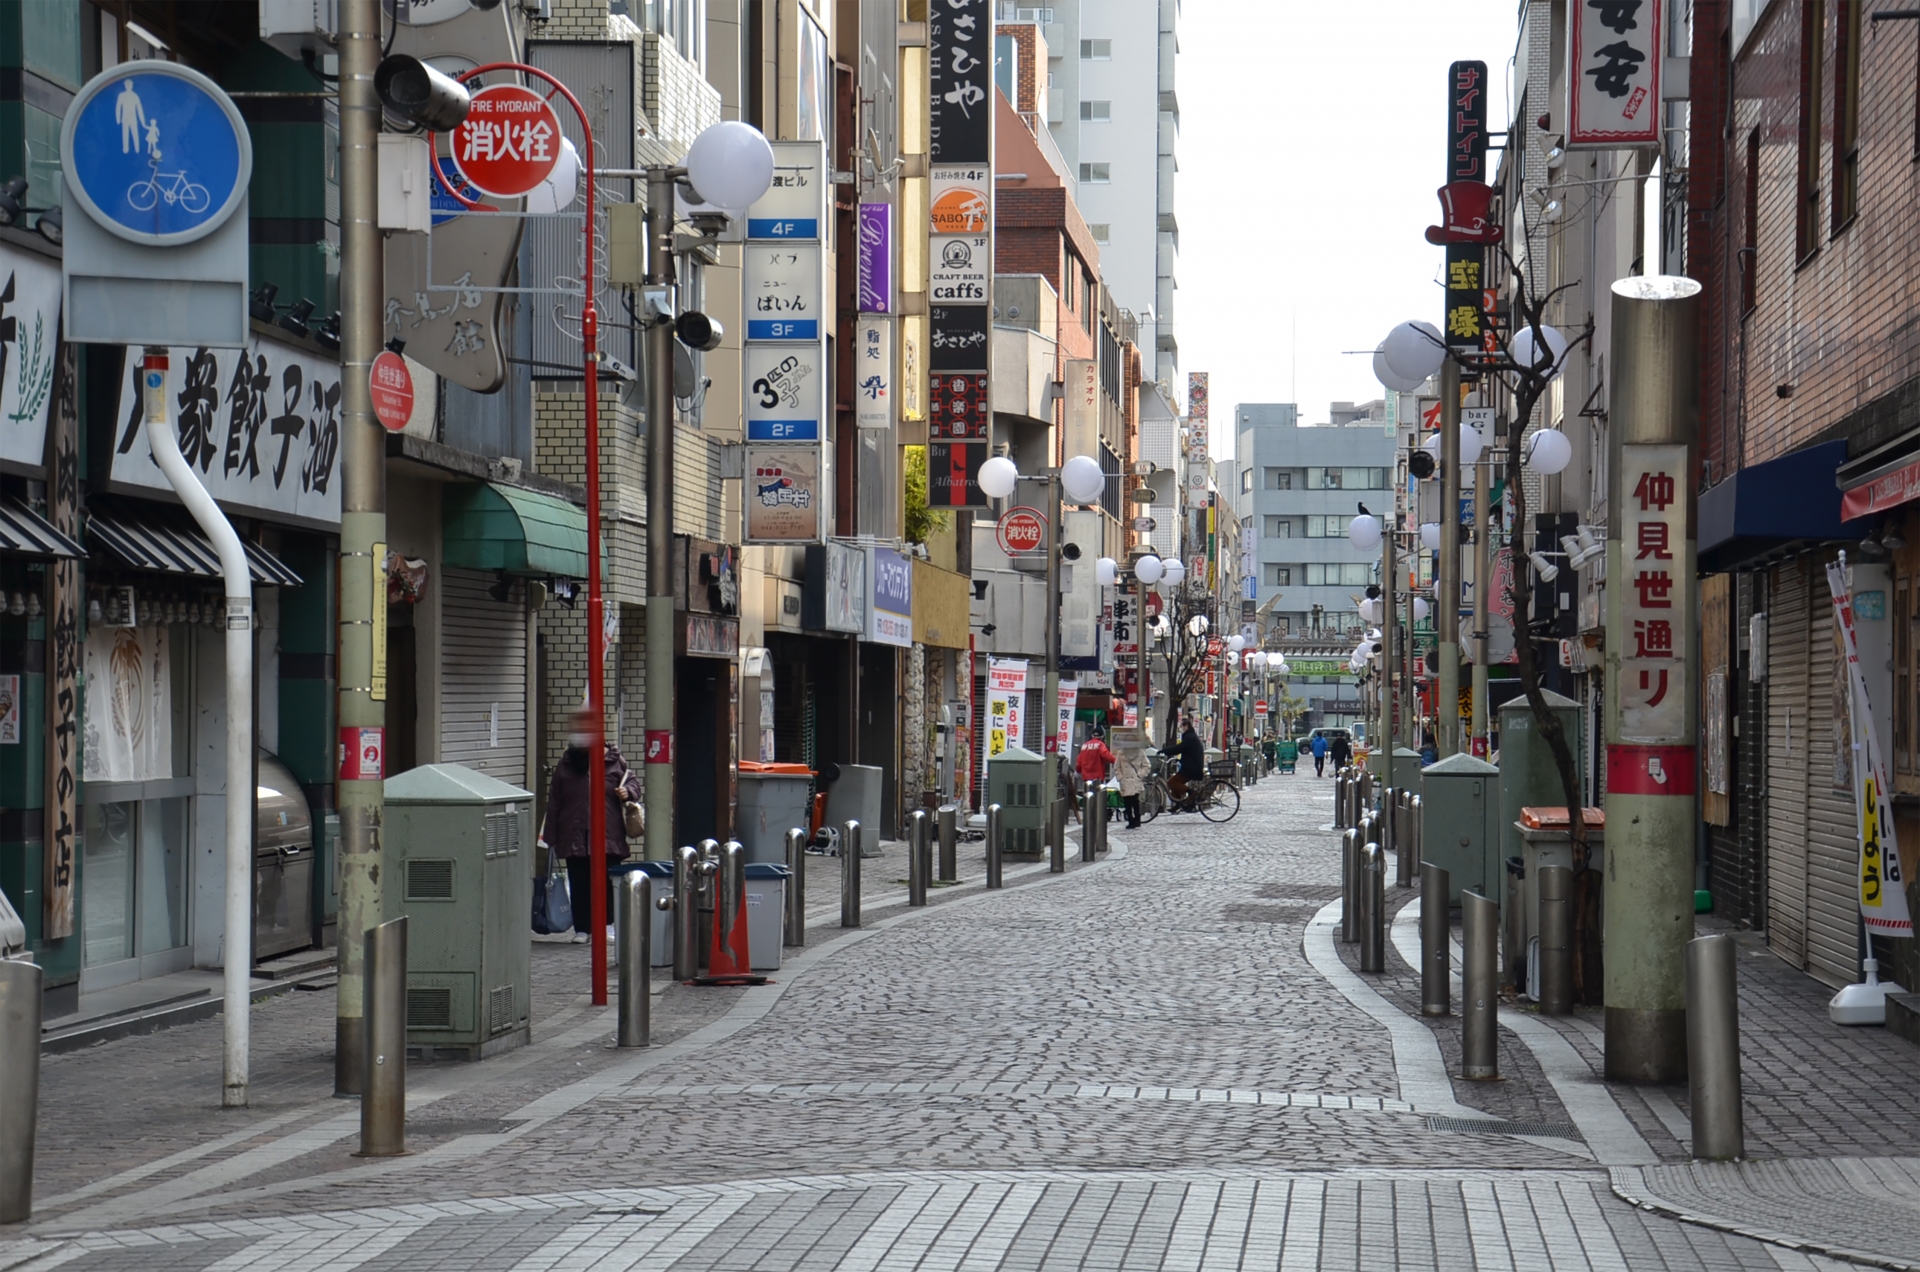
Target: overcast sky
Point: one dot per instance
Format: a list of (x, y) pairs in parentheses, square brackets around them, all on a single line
[(1312, 139)]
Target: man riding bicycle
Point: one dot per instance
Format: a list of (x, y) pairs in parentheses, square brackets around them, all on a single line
[(1192, 754)]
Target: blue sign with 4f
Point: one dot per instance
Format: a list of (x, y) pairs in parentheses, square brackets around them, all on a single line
[(159, 153)]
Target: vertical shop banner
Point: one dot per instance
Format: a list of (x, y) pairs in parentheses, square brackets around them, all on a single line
[(1467, 122), (63, 657), (129, 704), (1883, 888), (29, 339), (873, 285), (1083, 406), (1613, 83), (960, 92), (1656, 591), (873, 378), (1006, 700), (784, 380), (1060, 741)]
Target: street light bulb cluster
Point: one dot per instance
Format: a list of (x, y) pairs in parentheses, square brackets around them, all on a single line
[(1549, 451), (1081, 480), (730, 165), (998, 477)]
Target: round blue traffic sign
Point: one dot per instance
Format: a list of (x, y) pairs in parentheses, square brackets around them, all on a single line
[(156, 153)]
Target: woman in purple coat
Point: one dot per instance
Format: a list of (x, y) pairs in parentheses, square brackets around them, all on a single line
[(565, 830)]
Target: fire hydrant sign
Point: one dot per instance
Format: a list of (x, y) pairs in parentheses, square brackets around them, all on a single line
[(1656, 592), (392, 391), (509, 141), (1021, 530)]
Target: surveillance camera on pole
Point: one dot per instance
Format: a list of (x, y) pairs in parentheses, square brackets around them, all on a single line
[(697, 331), (413, 91)]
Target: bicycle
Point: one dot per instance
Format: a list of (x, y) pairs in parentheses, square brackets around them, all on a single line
[(171, 186), (1214, 797)]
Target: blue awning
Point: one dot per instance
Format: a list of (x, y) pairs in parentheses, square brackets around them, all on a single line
[(1765, 509)]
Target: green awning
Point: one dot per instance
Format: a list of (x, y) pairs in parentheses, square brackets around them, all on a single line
[(489, 527)]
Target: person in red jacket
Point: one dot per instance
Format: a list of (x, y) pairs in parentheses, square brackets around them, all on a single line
[(1094, 761)]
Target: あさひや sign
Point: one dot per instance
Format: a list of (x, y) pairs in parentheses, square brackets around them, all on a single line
[(1613, 96), (392, 387), (1021, 530), (509, 141)]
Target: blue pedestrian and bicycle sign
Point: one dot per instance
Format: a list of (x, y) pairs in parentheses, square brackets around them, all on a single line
[(156, 153)]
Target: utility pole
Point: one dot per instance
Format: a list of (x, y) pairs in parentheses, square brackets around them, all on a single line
[(1482, 596), (1446, 592), (360, 793), (1050, 713), (660, 686), (1389, 632)]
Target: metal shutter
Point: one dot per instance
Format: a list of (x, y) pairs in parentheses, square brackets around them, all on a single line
[(1788, 758), (483, 671), (1833, 833)]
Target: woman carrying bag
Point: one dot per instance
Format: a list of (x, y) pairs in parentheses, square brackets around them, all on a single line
[(565, 831)]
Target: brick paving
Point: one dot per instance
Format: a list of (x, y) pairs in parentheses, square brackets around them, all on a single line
[(1135, 1065)]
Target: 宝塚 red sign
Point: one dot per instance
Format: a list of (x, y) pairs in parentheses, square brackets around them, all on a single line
[(1021, 530), (392, 390), (509, 141)]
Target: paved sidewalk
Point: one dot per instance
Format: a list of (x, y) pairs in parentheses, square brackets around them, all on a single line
[(1155, 1061)]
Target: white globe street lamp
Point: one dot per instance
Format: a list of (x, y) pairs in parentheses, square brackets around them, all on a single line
[(730, 165), (1363, 532), (998, 477), (1081, 479), (1106, 571), (1414, 350), (1176, 572), (1148, 569), (1549, 451), (1548, 356)]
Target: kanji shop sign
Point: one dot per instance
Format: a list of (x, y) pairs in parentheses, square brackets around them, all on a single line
[(1614, 50), (392, 386), (1467, 121), (259, 426), (960, 100), (1656, 594), (509, 141)]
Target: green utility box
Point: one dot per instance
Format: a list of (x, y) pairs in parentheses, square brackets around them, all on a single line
[(1249, 764), (1459, 803), (458, 852), (1017, 781), (1528, 778)]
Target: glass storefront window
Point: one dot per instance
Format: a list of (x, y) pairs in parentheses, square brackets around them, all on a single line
[(163, 874), (106, 924), (134, 889)]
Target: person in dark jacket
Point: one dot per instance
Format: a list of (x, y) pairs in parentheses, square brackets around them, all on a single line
[(1192, 753), (565, 830), (1342, 751)]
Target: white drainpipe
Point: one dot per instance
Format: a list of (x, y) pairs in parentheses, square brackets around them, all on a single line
[(238, 959)]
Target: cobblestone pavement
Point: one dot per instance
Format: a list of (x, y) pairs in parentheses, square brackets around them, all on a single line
[(1156, 1061)]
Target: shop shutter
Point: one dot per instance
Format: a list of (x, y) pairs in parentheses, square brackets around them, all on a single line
[(483, 646), (1788, 758), (980, 740), (1833, 847), (1033, 728)]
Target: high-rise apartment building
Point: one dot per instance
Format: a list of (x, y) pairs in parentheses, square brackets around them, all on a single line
[(1115, 118)]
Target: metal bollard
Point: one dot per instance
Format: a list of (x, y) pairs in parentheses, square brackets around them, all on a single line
[(1340, 799), (1436, 954), (383, 1099), (850, 875), (1513, 945), (1713, 1049), (20, 991), (1388, 829), (993, 846), (730, 895), (1057, 837), (1415, 811), (949, 828), (1480, 988), (705, 904), (1555, 886), (1373, 909), (796, 925), (685, 904), (1403, 867), (1090, 819), (1350, 886), (632, 922), (919, 856)]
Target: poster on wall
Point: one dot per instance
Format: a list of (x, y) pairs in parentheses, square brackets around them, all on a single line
[(1061, 742), (129, 735), (260, 427), (1006, 702), (29, 338)]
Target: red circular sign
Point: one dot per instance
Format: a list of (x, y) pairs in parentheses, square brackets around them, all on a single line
[(392, 391), (1021, 530), (508, 142)]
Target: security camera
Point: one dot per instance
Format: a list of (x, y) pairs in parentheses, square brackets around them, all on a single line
[(419, 94), (697, 331)]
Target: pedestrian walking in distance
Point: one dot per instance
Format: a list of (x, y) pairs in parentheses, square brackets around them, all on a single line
[(567, 819), (1092, 762), (1128, 767), (1342, 751), (1319, 745)]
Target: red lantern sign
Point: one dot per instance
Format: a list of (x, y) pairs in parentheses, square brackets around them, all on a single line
[(392, 387), (509, 141)]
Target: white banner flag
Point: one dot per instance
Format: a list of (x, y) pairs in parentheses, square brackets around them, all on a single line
[(129, 705), (1006, 702), (1883, 891)]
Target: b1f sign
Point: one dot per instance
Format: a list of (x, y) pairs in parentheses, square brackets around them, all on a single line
[(1614, 52)]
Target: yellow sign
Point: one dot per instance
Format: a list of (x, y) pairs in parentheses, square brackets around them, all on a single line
[(378, 689)]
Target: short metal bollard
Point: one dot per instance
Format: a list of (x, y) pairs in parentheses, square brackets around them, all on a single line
[(383, 1099), (948, 825), (1436, 953), (994, 879), (919, 856), (20, 991), (685, 905), (796, 916), (1555, 887), (1713, 1049), (1513, 948), (1389, 830), (1090, 819), (1403, 865), (1350, 886), (1340, 799), (1480, 987), (850, 875), (1373, 909), (1415, 811), (631, 927), (1057, 837)]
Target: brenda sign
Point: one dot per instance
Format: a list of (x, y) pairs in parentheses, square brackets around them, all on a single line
[(890, 616)]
